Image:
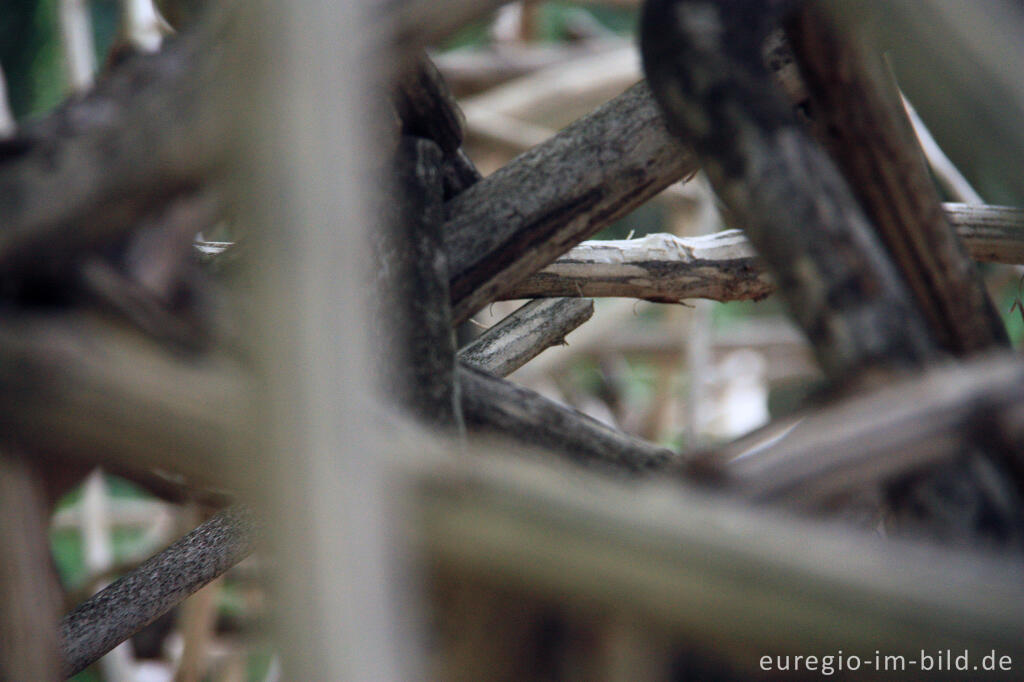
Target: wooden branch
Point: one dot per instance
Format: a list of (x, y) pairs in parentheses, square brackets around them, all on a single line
[(130, 603), (792, 202), (29, 589), (524, 334), (81, 389), (427, 107), (874, 438), (525, 215), (83, 176), (993, 234), (658, 267), (724, 266), (416, 362), (495, 406), (775, 584), (858, 115)]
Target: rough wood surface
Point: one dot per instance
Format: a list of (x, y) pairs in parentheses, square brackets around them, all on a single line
[(525, 333), (857, 113), (84, 175), (492, 405), (657, 267), (790, 199), (554, 196), (724, 266), (130, 603), (413, 315), (992, 234)]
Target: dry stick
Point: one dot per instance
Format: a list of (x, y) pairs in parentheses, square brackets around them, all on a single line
[(724, 266), (7, 124), (522, 335), (496, 406), (550, 198), (130, 603), (658, 267), (76, 38), (856, 112)]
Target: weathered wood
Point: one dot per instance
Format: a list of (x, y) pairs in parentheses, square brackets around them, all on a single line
[(413, 318), (133, 601), (774, 583), (790, 199), (427, 107), (658, 267), (857, 113), (525, 333), (550, 198), (993, 234), (83, 176), (724, 266), (29, 589), (876, 437), (495, 406)]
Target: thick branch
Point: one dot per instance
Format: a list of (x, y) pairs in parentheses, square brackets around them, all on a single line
[(773, 583), (790, 199), (524, 216), (80, 388), (524, 334), (127, 605), (86, 174), (858, 115), (497, 406), (723, 266), (875, 437)]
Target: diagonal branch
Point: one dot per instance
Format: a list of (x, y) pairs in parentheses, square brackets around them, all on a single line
[(524, 334), (554, 196), (130, 603)]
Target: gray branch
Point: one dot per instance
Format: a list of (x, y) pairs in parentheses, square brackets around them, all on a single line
[(522, 336), (130, 603), (492, 405), (557, 194)]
